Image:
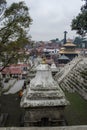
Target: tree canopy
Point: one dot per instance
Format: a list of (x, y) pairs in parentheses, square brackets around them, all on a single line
[(79, 23), (14, 31), (2, 6), (78, 42)]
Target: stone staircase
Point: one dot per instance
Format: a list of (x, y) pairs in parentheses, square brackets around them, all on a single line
[(73, 77)]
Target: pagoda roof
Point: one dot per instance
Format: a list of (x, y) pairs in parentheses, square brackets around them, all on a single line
[(68, 52), (63, 57), (70, 44)]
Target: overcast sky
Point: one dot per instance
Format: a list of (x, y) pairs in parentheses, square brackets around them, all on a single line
[(51, 17)]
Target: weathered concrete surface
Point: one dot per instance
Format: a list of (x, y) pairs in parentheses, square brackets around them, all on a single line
[(43, 100), (16, 87), (8, 83), (46, 128), (43, 90)]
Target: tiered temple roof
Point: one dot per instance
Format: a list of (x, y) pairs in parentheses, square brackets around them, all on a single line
[(68, 48)]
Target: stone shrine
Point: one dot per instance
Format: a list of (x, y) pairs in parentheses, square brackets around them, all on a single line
[(43, 100), (54, 69)]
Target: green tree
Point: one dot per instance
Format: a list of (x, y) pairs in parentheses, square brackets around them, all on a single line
[(79, 23), (2, 6), (78, 42), (14, 32)]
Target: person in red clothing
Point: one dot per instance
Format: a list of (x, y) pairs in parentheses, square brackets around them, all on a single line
[(20, 94)]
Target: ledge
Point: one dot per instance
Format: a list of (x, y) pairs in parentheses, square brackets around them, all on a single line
[(46, 128)]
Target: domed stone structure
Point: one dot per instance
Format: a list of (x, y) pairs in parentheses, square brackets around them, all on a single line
[(44, 101)]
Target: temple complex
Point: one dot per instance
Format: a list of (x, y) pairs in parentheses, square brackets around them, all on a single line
[(69, 50), (43, 100)]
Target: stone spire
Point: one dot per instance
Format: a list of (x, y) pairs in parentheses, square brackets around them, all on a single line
[(43, 90), (44, 101)]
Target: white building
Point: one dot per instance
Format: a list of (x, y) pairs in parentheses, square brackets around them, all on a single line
[(51, 51)]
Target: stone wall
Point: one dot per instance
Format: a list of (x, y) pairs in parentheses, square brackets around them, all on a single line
[(46, 128), (73, 77), (46, 116)]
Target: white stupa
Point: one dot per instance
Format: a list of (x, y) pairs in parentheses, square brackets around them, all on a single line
[(53, 67), (42, 93), (42, 87)]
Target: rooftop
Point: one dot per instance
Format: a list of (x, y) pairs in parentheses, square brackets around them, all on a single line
[(70, 44), (63, 57)]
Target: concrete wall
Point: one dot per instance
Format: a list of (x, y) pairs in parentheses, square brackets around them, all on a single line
[(46, 128)]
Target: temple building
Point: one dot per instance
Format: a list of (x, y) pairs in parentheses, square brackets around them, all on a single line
[(63, 59), (43, 100), (69, 50)]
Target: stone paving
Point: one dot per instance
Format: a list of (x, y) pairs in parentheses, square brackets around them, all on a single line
[(10, 104)]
